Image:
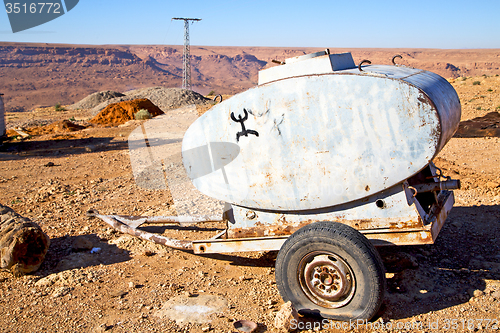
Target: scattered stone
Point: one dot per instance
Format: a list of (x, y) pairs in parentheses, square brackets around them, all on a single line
[(246, 326), (46, 281), (132, 285), (49, 164), (284, 317), (118, 293), (477, 293), (61, 291), (82, 243)]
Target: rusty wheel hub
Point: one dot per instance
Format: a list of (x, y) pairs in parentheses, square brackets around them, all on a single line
[(326, 279)]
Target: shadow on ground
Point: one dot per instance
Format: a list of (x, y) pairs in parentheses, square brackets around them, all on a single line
[(465, 256), (69, 252), (480, 127), (63, 147)]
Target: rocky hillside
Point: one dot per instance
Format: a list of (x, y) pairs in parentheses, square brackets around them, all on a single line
[(46, 74)]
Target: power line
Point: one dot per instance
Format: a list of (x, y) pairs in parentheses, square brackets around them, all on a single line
[(186, 57)]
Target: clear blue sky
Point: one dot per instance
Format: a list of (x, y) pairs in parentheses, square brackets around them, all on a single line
[(362, 23)]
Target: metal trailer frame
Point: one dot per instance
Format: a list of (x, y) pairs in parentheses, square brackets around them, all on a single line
[(406, 214)]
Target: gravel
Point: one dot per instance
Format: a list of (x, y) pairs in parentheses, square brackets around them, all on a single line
[(164, 98), (95, 99)]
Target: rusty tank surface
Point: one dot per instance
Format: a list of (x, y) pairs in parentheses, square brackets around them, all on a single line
[(322, 161)]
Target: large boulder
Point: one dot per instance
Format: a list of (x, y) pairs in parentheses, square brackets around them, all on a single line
[(23, 244)]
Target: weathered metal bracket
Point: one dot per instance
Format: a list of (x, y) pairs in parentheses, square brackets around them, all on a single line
[(129, 224), (239, 245), (425, 234)]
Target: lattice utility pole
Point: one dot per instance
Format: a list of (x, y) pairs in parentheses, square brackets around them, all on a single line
[(186, 57)]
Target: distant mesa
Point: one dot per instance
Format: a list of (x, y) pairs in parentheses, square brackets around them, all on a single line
[(36, 74)]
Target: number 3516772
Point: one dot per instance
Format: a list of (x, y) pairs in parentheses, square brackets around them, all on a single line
[(33, 8)]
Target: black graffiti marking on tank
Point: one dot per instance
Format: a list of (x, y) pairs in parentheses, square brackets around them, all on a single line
[(241, 120)]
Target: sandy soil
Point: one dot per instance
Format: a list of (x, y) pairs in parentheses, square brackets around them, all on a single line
[(124, 286)]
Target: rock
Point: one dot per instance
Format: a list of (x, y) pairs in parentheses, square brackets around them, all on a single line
[(284, 317), (46, 281), (132, 285), (61, 291), (245, 326), (118, 293), (477, 293), (82, 243), (496, 294)]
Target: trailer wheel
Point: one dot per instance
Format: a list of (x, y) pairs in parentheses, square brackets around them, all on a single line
[(332, 270)]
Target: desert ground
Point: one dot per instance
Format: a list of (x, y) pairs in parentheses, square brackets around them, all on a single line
[(95, 279)]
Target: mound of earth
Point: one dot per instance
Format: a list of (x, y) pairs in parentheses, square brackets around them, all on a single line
[(62, 126), (164, 98), (119, 113), (95, 99)]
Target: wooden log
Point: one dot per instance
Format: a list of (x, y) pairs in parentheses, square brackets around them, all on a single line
[(23, 244)]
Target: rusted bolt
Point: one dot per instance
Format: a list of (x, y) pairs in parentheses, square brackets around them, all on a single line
[(251, 215), (367, 188)]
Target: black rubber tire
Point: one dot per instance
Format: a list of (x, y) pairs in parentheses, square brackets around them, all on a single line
[(359, 257)]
